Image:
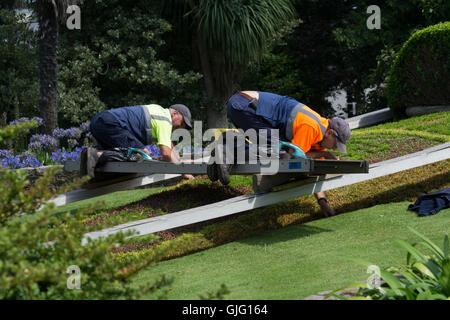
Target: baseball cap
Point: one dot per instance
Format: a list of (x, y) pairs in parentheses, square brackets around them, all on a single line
[(342, 131), (181, 108)]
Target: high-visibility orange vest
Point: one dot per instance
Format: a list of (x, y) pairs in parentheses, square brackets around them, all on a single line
[(308, 128)]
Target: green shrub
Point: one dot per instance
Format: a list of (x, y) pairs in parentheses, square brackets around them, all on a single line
[(10, 135), (420, 75), (424, 277), (39, 250)]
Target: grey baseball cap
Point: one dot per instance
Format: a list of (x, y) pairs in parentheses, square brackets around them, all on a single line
[(181, 108), (342, 131)]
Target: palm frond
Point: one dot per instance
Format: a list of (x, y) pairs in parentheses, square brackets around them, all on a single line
[(240, 30)]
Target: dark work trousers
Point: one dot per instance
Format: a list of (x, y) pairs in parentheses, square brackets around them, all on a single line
[(243, 116), (108, 132)]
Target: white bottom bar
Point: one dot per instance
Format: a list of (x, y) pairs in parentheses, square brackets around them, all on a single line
[(253, 201)]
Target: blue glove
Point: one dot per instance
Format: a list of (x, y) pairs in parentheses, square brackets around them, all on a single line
[(298, 152)]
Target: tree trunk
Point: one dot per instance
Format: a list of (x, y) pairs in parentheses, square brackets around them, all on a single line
[(215, 112), (48, 64)]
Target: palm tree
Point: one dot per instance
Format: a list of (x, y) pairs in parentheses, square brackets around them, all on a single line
[(227, 35), (49, 14)]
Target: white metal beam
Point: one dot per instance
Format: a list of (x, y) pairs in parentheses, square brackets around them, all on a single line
[(253, 201), (83, 194), (369, 119)]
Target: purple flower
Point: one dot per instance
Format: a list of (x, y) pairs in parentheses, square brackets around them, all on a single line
[(59, 133), (24, 119), (61, 157), (42, 142), (154, 150), (40, 121), (11, 162), (85, 126), (79, 149), (5, 153), (30, 162), (74, 133), (18, 121)]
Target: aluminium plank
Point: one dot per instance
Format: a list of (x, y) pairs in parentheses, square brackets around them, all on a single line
[(102, 188), (83, 194), (370, 119), (267, 167), (258, 200)]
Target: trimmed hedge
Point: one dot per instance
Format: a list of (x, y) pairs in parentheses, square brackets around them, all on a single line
[(420, 75)]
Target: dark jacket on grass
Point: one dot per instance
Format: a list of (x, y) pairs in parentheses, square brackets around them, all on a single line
[(428, 204)]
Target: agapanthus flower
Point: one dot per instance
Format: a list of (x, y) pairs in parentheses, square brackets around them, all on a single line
[(18, 121), (85, 126), (154, 150), (11, 162), (42, 142), (74, 133), (60, 156), (30, 162), (5, 153), (40, 121), (59, 133)]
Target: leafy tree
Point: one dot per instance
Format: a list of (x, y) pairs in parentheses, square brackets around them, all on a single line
[(307, 63), (333, 49), (49, 14), (372, 52), (120, 63), (19, 89), (224, 37)]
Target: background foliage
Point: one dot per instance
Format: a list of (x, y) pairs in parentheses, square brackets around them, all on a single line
[(118, 64), (19, 87), (420, 75)]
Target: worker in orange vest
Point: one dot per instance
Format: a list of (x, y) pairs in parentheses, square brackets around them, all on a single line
[(296, 122)]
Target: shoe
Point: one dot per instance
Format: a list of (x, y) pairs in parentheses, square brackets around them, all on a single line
[(211, 170), (92, 159), (223, 172)]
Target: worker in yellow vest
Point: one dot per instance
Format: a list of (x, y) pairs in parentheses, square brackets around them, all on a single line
[(136, 127)]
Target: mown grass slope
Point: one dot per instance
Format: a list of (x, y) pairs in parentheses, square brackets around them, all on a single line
[(377, 143), (300, 260)]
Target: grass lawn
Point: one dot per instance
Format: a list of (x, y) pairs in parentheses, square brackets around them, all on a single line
[(111, 200), (286, 251), (300, 260)]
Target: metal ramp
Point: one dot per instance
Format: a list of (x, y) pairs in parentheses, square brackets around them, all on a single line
[(361, 121), (253, 201)]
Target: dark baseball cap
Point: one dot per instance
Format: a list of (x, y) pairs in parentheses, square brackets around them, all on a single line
[(342, 131), (181, 108)]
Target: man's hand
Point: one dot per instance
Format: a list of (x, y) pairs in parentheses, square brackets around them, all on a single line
[(187, 176), (166, 153), (326, 209)]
